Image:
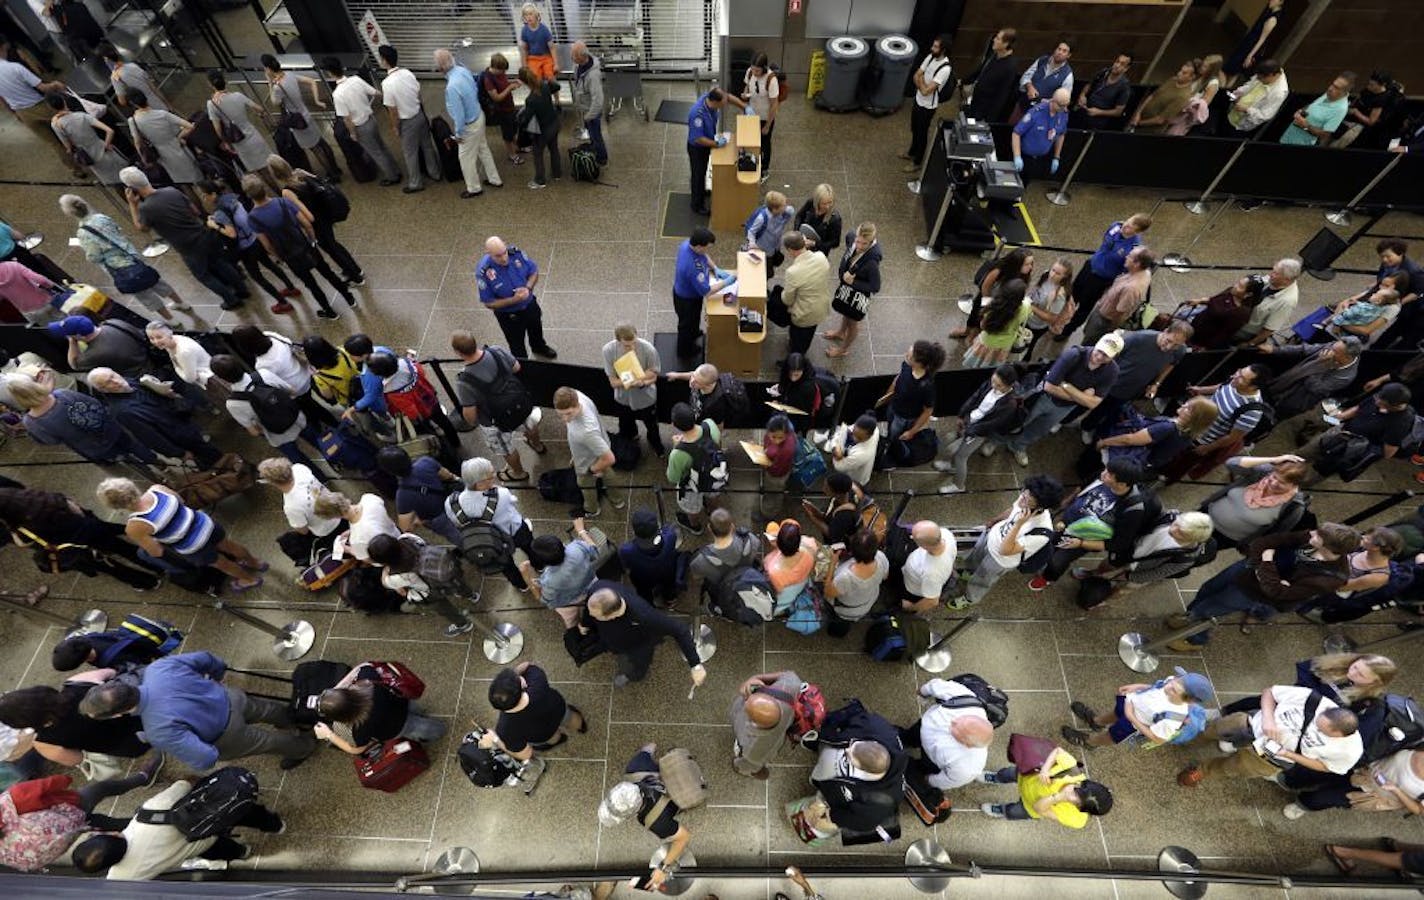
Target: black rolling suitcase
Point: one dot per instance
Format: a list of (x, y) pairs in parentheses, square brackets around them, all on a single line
[(358, 161), (448, 150)]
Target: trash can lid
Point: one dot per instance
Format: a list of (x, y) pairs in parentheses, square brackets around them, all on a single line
[(847, 47), (896, 46)]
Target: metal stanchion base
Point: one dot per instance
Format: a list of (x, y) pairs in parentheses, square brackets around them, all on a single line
[(94, 620), (1130, 649), (456, 861), (706, 642), (296, 640), (32, 240), (677, 883), (926, 852), (1176, 861), (1196, 207), (155, 248), (927, 253), (1335, 642), (1177, 262), (914, 186), (935, 659), (508, 649), (1059, 198), (1339, 217)]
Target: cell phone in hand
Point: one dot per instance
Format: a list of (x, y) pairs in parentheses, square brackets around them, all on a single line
[(645, 883), (1273, 748), (1381, 780)]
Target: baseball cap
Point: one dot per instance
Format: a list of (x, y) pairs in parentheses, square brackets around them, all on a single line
[(647, 532), (1110, 344), (71, 326), (1196, 685)]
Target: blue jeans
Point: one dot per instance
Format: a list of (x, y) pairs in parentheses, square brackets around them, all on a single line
[(1015, 810), (595, 137), (1040, 421), (898, 426), (1221, 596)]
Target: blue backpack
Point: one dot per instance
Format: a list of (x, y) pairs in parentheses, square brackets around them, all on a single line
[(805, 612), (347, 449)]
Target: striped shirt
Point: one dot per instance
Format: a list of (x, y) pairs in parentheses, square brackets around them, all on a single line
[(176, 525), (1228, 400)]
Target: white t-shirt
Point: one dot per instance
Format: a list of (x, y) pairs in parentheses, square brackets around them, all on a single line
[(1155, 541), (991, 397), (155, 849), (299, 503), (282, 362), (399, 89), (958, 764), (1275, 312), (859, 459), (1032, 543), (1149, 704), (927, 574), (1396, 768), (760, 92), (1339, 754), (936, 70), (351, 99), (374, 520)]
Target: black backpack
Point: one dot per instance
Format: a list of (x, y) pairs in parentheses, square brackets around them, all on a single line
[(994, 701), (485, 768), (1262, 428), (506, 399), (1037, 561), (627, 452), (309, 680), (485, 100), (738, 403), (331, 203), (485, 546), (583, 163), (211, 808), (275, 409), (708, 472), (1401, 726)]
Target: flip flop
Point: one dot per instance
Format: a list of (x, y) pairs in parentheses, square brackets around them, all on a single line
[(541, 449), (237, 588), (507, 476), (260, 567), (1344, 865)]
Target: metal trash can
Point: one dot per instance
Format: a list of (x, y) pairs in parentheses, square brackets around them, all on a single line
[(846, 59), (895, 56)]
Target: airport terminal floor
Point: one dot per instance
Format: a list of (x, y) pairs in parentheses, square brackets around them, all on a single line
[(606, 260)]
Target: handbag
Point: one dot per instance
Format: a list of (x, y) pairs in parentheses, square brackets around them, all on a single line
[(54, 559), (80, 157), (850, 302), (415, 445), (227, 129), (132, 278), (292, 119), (808, 466), (1028, 753)]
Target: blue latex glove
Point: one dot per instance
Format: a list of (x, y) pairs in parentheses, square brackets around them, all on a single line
[(1018, 163), (721, 140), (1053, 166), (723, 274)]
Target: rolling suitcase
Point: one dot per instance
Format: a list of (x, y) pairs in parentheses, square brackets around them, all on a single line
[(308, 681), (392, 765), (446, 148)]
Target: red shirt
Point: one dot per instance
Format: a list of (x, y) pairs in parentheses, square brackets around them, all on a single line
[(782, 455), (494, 83)]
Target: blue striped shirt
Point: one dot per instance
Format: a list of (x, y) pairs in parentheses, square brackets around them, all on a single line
[(175, 525), (1228, 400)]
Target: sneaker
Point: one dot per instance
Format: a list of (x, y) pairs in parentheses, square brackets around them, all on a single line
[(943, 465), (1037, 583), (359, 280), (987, 450), (282, 307), (197, 863), (949, 487), (282, 828), (286, 292), (993, 810), (537, 185), (1085, 713), (1178, 620), (1021, 458), (1417, 459), (1294, 811), (327, 314), (455, 630), (1226, 746), (616, 503), (593, 513), (989, 777), (818, 437), (620, 680), (1074, 736), (1086, 437), (1055, 429)]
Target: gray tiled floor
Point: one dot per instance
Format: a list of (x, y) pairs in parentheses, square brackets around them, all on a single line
[(605, 261)]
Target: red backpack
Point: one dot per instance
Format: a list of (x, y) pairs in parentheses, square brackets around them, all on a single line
[(808, 709)]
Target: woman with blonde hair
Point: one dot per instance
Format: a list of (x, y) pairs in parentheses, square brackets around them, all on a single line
[(824, 220), (162, 524), (1347, 678), (1209, 79), (536, 44), (859, 282), (1154, 442)]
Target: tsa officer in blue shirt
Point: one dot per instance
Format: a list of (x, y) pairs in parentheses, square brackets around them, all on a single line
[(695, 279), (1038, 137), (507, 278), (701, 138), (1104, 266)]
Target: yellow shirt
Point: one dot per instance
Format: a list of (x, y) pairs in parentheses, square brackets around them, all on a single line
[(1031, 790), (334, 384)]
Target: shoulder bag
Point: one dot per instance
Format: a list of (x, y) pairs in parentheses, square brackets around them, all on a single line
[(132, 278)]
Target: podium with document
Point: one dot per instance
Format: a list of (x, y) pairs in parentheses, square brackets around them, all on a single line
[(736, 319)]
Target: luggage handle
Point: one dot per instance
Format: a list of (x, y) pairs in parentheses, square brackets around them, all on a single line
[(260, 675)]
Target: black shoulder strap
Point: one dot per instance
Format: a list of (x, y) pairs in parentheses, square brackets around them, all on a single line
[(110, 241), (1308, 716)]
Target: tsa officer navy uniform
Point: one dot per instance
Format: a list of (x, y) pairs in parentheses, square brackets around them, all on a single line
[(701, 138), (694, 280), (507, 278), (1038, 137)]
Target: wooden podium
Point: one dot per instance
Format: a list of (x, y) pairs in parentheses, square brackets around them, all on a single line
[(729, 348), (735, 194)]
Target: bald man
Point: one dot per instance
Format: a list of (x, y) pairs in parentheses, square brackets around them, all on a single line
[(506, 282), (859, 771), (761, 714), (1038, 137), (929, 567), (462, 101), (954, 733)]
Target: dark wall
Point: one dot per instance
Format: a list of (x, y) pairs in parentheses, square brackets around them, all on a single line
[(1360, 35)]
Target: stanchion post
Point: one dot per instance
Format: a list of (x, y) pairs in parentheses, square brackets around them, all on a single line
[(1061, 197), (292, 641), (1180, 262), (937, 657), (1341, 217), (504, 641), (1140, 655), (1198, 206)]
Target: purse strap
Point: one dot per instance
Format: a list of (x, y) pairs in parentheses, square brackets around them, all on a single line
[(110, 241)]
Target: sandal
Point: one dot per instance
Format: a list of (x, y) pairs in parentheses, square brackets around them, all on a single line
[(260, 567), (836, 352), (508, 476), (540, 448), (1344, 865), (238, 587)]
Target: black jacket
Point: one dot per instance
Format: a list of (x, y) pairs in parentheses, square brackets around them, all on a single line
[(640, 625), (998, 420), (541, 105), (996, 83), (859, 807), (867, 268), (828, 230)]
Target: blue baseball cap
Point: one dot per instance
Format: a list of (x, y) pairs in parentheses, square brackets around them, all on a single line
[(1196, 685), (71, 326)]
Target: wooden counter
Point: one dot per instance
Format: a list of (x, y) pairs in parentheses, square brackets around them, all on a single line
[(736, 194), (729, 348)]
